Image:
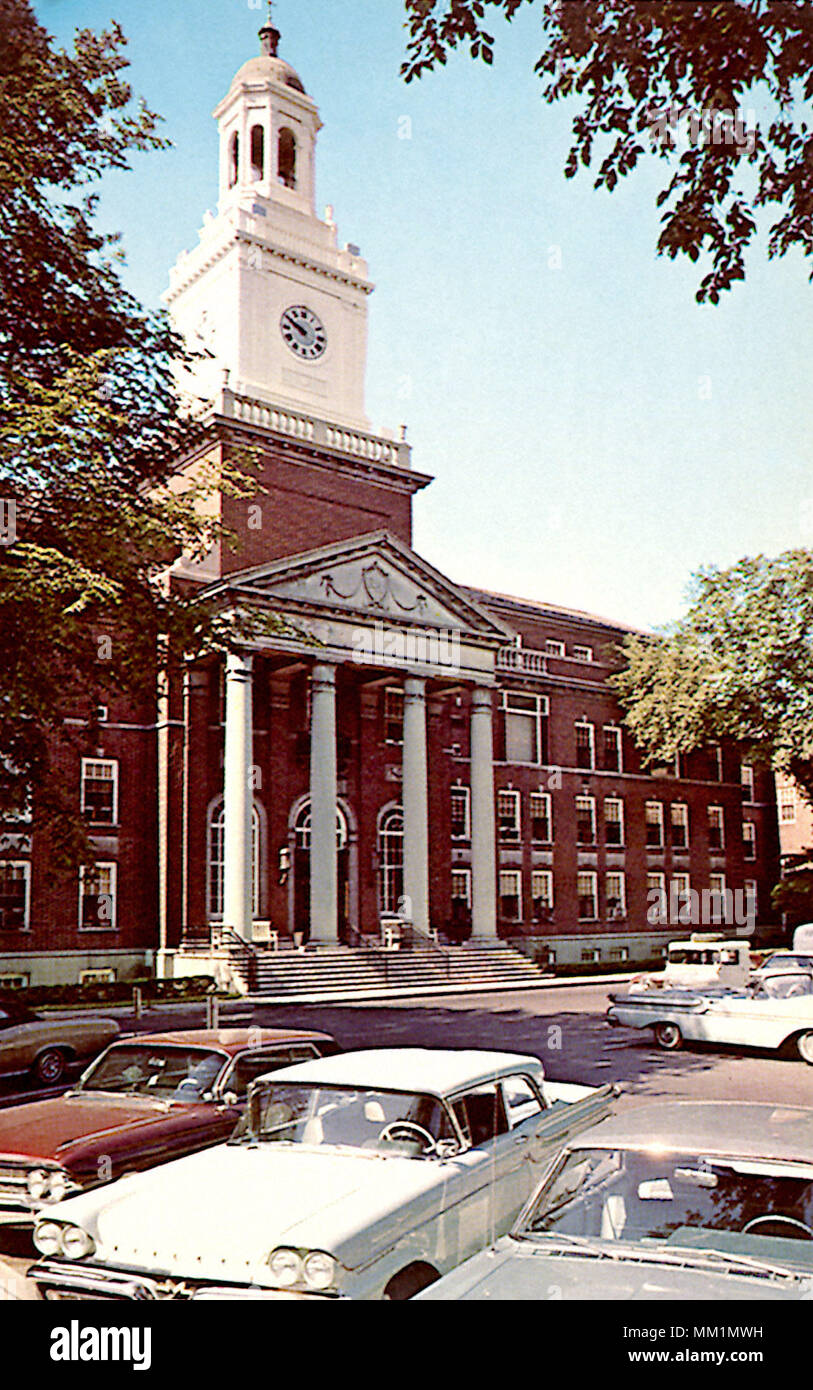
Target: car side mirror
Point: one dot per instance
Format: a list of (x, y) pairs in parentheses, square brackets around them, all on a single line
[(231, 1098)]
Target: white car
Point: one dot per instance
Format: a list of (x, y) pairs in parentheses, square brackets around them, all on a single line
[(365, 1175), (771, 1013)]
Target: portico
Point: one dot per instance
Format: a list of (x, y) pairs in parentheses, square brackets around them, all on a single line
[(364, 614)]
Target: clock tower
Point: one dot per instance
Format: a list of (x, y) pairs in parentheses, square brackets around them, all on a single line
[(276, 306)]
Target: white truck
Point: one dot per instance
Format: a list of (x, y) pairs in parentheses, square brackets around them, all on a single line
[(701, 962)]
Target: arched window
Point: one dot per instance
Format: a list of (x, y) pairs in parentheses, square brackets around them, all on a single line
[(286, 158), (215, 857), (302, 828), (391, 859), (257, 153), (234, 159)]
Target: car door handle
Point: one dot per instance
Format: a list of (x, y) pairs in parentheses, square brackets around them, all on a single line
[(522, 1139)]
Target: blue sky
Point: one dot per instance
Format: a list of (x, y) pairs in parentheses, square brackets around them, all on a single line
[(594, 434)]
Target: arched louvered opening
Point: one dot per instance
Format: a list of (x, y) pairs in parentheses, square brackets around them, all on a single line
[(286, 159), (257, 153)]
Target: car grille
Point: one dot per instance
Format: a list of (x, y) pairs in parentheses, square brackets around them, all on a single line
[(14, 1188)]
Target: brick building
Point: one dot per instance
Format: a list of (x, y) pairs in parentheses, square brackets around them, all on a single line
[(402, 744)]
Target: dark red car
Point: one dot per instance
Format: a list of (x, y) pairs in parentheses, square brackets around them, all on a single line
[(145, 1100)]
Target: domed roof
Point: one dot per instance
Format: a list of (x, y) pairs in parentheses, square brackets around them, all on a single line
[(265, 68)]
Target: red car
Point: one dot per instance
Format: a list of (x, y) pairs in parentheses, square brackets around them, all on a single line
[(145, 1100)]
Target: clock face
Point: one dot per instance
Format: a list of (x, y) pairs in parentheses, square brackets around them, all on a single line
[(304, 332)]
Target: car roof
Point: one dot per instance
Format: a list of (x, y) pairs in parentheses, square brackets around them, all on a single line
[(434, 1070), (746, 1129), (228, 1039)]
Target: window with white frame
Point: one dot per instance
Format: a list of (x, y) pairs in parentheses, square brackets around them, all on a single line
[(613, 821), (97, 897), (717, 762), (391, 859), (747, 778), (541, 824), (682, 898), (508, 814), (654, 825), (542, 894), (511, 895), (787, 804), (611, 760), (718, 904), (716, 828), (461, 893), (585, 745), (461, 813), (749, 839), (586, 820), (15, 894), (751, 899), (587, 894), (679, 816), (394, 715), (523, 725), (215, 858), (615, 896), (582, 653), (553, 648), (656, 905), (100, 791)]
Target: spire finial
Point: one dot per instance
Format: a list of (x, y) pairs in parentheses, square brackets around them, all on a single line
[(269, 34)]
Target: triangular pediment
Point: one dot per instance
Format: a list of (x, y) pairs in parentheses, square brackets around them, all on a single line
[(376, 576)]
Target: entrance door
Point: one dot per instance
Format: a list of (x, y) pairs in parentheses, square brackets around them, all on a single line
[(302, 872)]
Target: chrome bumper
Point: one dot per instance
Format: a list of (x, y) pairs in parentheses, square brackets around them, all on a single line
[(59, 1281)]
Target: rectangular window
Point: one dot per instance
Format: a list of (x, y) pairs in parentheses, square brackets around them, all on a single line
[(612, 749), (523, 728), (654, 825), (656, 905), (716, 831), (100, 791), (97, 898), (747, 777), (717, 763), (749, 839), (587, 893), (461, 821), (680, 825), (461, 887), (585, 745), (585, 820), (615, 891), (394, 715), (15, 882), (681, 896), (552, 648), (542, 894), (751, 899), (613, 821), (511, 895), (541, 827), (508, 815), (787, 805), (718, 898), (582, 653)]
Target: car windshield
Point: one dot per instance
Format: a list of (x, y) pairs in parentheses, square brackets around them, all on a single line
[(169, 1073), (313, 1115), (785, 986), (740, 1207)]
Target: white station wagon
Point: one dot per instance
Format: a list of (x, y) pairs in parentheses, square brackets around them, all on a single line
[(365, 1175)]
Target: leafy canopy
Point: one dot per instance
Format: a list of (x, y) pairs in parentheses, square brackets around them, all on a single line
[(720, 91), (738, 666)]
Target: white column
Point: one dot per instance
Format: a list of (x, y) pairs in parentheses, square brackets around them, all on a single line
[(483, 829), (238, 798), (324, 868), (416, 805)]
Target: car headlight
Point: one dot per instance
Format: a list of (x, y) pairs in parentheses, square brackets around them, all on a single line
[(48, 1184), (48, 1237), (320, 1270), (75, 1243), (37, 1184), (286, 1267)]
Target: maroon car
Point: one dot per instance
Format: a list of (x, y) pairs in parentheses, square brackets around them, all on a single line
[(145, 1100)]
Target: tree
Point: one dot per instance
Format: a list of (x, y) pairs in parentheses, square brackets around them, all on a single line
[(793, 897), (91, 427), (678, 80), (738, 666)]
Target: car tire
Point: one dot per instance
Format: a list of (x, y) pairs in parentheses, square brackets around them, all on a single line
[(668, 1036), (410, 1281), (804, 1047), (49, 1068)]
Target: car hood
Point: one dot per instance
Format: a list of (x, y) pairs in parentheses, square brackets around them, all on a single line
[(220, 1213), (516, 1270), (66, 1128)]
